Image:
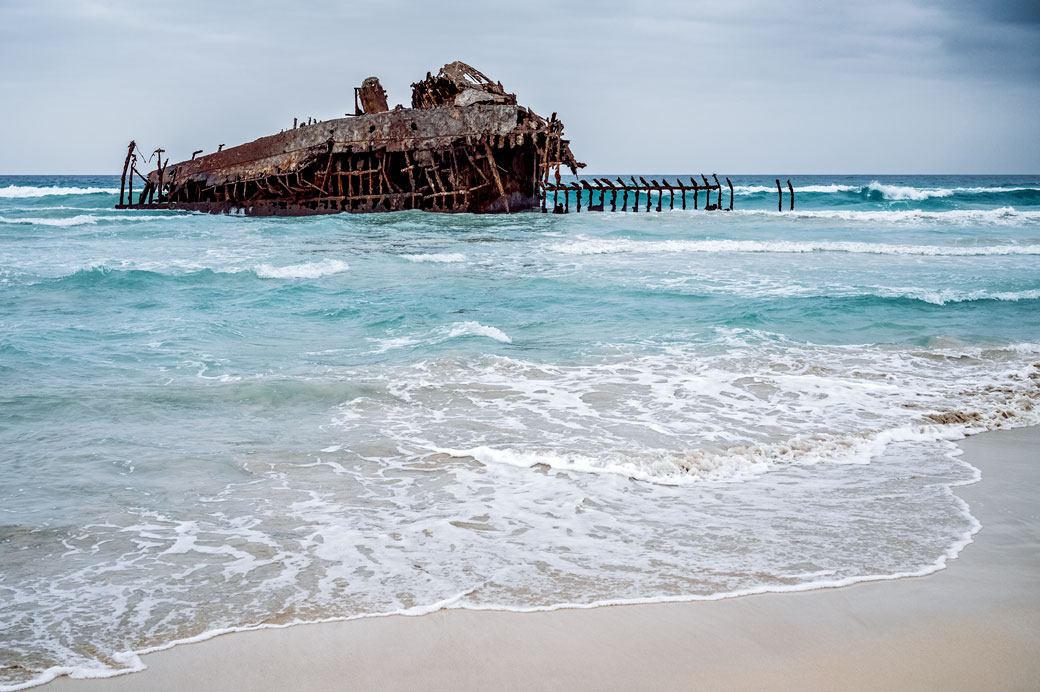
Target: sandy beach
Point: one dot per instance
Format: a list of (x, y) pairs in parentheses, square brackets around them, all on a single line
[(972, 626)]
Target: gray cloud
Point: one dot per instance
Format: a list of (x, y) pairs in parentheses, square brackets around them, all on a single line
[(746, 86)]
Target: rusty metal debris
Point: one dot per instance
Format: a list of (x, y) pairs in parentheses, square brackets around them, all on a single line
[(607, 188), (465, 145)]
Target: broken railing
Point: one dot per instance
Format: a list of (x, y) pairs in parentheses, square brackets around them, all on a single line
[(642, 194), (639, 189)]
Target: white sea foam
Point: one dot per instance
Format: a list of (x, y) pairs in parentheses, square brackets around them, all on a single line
[(1024, 347), (949, 295), (131, 662), (62, 207), (477, 329), (304, 270), (373, 520), (669, 419), (439, 257), (754, 189), (20, 191), (439, 336), (78, 220), (600, 246), (775, 288), (892, 192), (84, 219), (906, 192), (980, 190), (900, 192), (734, 464), (394, 343), (1002, 216)]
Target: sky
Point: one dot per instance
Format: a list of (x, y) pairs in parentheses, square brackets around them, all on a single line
[(734, 87)]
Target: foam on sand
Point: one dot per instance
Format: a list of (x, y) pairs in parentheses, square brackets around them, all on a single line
[(861, 640)]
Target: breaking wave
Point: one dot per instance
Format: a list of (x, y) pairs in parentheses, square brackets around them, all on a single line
[(601, 246), (305, 270), (883, 191), (78, 220), (21, 191), (906, 192), (477, 329), (949, 295), (83, 219), (133, 276), (758, 189)]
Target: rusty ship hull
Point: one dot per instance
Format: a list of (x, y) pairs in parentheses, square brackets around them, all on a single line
[(464, 146)]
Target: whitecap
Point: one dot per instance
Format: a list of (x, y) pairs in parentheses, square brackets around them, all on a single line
[(753, 189), (22, 191), (439, 257), (949, 295), (81, 219), (477, 329), (78, 220), (304, 270), (901, 192)]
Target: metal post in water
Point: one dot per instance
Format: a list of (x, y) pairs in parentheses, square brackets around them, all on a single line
[(613, 192), (779, 191), (126, 165), (791, 188)]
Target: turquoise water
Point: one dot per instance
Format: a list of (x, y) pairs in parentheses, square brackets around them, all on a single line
[(213, 422)]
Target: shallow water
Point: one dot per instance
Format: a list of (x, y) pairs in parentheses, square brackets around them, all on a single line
[(215, 422)]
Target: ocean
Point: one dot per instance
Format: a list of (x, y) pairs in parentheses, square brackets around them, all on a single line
[(215, 423)]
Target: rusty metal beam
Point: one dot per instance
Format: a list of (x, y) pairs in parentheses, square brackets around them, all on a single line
[(126, 164)]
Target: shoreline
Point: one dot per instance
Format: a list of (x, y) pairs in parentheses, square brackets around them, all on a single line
[(973, 625)]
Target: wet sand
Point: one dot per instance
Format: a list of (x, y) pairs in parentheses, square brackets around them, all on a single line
[(973, 626)]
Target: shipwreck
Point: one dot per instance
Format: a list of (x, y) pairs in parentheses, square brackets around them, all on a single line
[(465, 145)]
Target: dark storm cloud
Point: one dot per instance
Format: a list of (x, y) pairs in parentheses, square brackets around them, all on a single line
[(1010, 11), (747, 86), (997, 38)]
